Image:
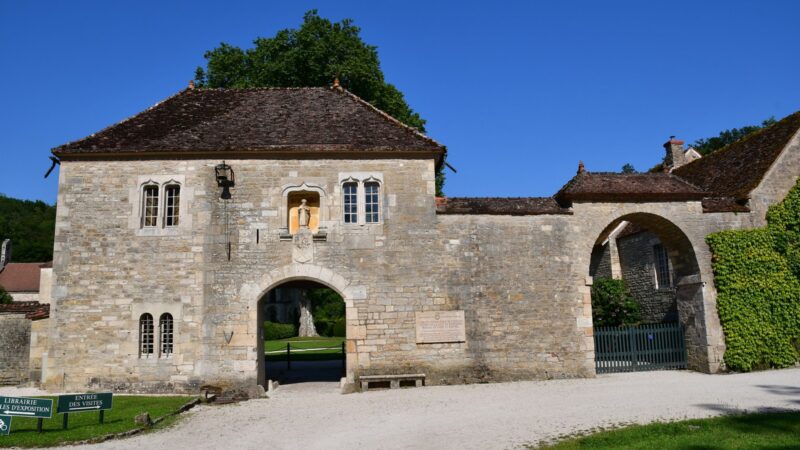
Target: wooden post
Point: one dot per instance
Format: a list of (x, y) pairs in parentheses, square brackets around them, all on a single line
[(39, 425), (65, 423), (102, 416), (288, 357)]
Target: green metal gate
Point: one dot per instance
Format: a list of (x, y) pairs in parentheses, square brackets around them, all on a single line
[(657, 346)]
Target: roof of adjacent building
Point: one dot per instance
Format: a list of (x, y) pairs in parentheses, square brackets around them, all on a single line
[(275, 121), (509, 206), (22, 277), (735, 170), (32, 310), (627, 187)]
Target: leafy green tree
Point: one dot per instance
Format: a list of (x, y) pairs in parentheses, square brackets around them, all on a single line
[(328, 310), (5, 297), (727, 137), (612, 304), (31, 227), (628, 168), (311, 55)]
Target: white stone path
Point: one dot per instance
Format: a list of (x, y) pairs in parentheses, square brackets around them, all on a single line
[(503, 415)]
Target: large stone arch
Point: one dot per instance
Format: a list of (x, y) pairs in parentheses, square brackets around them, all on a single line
[(349, 292), (695, 292)]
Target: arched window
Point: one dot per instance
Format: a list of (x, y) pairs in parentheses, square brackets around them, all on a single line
[(172, 203), (350, 202), (146, 335), (372, 201), (165, 332), (150, 206)]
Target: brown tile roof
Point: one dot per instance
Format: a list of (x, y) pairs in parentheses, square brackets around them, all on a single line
[(734, 171), (622, 187), (32, 310), (723, 204), (274, 121), (520, 206), (22, 277)]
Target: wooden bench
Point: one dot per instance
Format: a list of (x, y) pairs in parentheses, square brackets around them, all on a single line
[(395, 381)]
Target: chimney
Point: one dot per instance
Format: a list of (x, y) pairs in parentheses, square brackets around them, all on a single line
[(676, 156), (5, 254), (191, 84)]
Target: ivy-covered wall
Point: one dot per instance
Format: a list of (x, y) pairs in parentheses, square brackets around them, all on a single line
[(757, 276)]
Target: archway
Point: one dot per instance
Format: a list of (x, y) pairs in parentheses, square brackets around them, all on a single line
[(302, 333), (659, 264)]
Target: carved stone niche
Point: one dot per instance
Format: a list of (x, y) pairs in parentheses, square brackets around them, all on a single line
[(315, 201)]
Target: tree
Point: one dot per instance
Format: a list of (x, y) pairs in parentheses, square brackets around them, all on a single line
[(612, 304), (31, 227), (311, 55), (5, 297), (709, 145), (628, 168)]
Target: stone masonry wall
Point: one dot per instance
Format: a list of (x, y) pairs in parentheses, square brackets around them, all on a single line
[(638, 270), (523, 282), (15, 336)]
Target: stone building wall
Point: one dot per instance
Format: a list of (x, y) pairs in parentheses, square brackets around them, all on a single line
[(638, 270), (38, 349), (777, 182), (523, 281), (15, 334), (601, 261)]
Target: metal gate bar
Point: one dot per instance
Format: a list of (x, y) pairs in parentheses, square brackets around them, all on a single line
[(657, 346)]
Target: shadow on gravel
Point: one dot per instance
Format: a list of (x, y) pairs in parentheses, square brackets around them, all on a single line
[(791, 391)]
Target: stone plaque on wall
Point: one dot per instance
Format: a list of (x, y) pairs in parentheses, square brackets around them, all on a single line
[(440, 326)]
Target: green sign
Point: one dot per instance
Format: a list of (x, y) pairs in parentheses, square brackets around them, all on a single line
[(26, 407), (5, 425), (84, 402)]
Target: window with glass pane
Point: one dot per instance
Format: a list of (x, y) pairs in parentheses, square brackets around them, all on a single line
[(150, 213), (351, 203), (165, 331), (146, 336), (172, 205), (663, 278), (371, 202)]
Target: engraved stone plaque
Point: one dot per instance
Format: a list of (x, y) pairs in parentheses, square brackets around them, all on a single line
[(440, 326)]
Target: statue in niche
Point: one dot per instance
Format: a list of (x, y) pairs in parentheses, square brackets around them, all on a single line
[(303, 214)]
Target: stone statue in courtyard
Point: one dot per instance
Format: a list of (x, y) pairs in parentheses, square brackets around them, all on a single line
[(303, 214)]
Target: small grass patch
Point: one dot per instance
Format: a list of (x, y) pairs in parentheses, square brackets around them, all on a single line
[(84, 426), (751, 431), (304, 348)]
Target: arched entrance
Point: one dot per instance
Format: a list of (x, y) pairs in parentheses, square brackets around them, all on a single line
[(659, 266), (303, 333), (306, 275)]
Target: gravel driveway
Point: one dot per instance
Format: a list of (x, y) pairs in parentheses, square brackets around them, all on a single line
[(503, 415)]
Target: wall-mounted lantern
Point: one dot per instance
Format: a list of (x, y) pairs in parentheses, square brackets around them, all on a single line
[(225, 179)]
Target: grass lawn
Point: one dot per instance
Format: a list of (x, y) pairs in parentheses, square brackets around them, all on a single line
[(751, 431), (86, 425), (299, 346)]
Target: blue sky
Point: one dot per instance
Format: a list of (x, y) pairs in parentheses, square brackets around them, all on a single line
[(518, 91)]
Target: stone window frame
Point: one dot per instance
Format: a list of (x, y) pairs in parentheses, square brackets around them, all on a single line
[(137, 204), (146, 336), (662, 265), (361, 179), (156, 310), (166, 335)]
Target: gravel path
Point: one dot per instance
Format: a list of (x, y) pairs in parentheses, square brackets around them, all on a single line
[(503, 415)]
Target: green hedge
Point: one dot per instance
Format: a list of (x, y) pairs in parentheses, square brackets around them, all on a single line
[(757, 276), (274, 331), (612, 304)]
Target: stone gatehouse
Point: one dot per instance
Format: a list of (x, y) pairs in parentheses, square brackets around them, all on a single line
[(158, 281)]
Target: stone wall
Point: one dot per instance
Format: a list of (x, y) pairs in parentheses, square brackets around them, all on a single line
[(523, 282), (38, 349), (638, 270), (15, 335)]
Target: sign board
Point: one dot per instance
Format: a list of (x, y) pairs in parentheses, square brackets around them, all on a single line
[(41, 408), (84, 402), (440, 327), (5, 425)]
